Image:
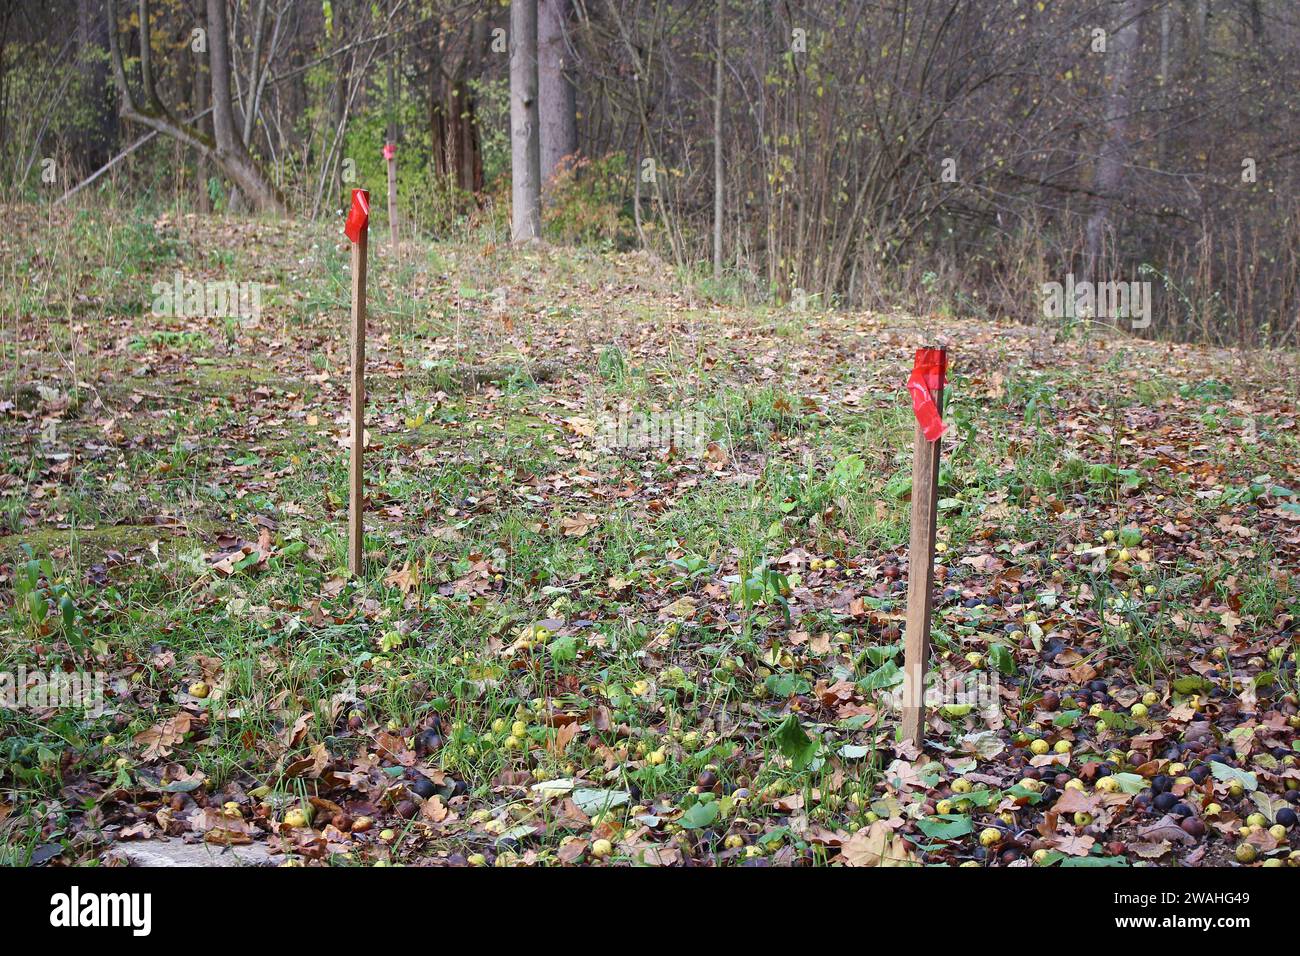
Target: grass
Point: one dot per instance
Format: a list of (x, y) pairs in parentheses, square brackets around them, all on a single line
[(674, 606)]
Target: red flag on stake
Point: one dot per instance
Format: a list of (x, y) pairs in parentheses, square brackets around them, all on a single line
[(358, 215), (926, 383), (390, 150)]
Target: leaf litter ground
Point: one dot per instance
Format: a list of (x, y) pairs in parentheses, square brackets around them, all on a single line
[(565, 651)]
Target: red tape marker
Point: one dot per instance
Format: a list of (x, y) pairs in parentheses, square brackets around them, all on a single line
[(390, 150), (358, 215), (926, 383)]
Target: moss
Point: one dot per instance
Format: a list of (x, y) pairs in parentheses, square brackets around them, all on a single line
[(94, 542), (223, 379)]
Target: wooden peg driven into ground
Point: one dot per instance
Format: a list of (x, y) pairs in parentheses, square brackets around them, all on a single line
[(390, 155), (358, 231), (356, 470), (920, 555)]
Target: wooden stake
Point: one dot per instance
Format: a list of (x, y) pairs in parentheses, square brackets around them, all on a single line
[(920, 583), (356, 476), (390, 153)]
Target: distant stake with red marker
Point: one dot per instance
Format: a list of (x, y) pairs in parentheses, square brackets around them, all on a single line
[(357, 230), (390, 155), (926, 385)]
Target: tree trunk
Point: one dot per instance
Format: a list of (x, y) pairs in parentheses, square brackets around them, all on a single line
[(469, 156), (391, 75), (342, 79), (146, 57), (202, 98), (390, 81), (525, 145), (231, 154), (223, 113), (1166, 12), (717, 151), (7, 12), (1113, 156), (254, 75), (92, 41), (453, 118), (557, 98), (1202, 30), (437, 106)]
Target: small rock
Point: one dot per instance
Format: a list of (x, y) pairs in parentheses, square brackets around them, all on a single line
[(176, 853)]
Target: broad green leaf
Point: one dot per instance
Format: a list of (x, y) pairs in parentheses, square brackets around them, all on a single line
[(1224, 772), (784, 685), (1116, 721), (564, 649), (1130, 782), (591, 800), (945, 826), (1000, 656), (794, 744), (880, 653), (981, 798), (1192, 685), (1020, 793), (701, 815), (886, 675)]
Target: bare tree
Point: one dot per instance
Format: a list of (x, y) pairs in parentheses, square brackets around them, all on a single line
[(864, 153), (1112, 159), (717, 150), (259, 68), (525, 145), (92, 39), (202, 97), (226, 147), (453, 104), (556, 95)]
